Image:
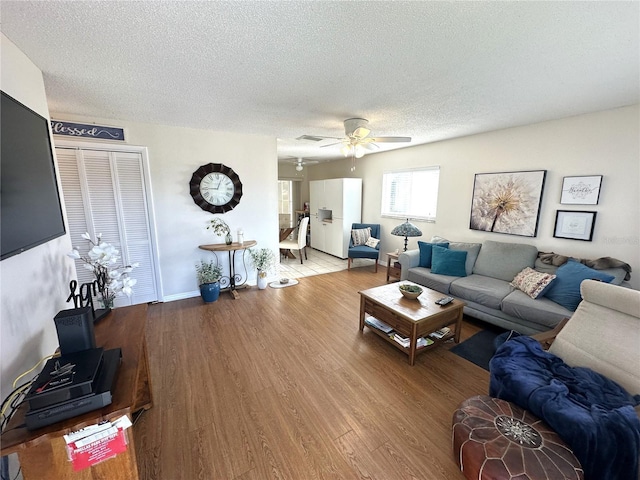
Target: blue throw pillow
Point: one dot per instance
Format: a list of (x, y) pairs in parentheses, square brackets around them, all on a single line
[(565, 289), (425, 252), (448, 262)]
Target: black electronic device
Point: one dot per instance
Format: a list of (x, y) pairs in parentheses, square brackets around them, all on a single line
[(99, 397), (75, 330), (65, 378), (445, 301), (30, 210)]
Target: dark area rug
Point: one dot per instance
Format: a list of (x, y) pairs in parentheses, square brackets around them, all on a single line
[(479, 348)]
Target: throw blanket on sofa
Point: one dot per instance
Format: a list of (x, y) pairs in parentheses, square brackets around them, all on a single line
[(597, 264), (590, 412)]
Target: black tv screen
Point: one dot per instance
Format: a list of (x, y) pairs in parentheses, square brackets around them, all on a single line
[(30, 210)]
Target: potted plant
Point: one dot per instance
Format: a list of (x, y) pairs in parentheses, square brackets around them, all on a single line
[(264, 260), (209, 274), (221, 229)]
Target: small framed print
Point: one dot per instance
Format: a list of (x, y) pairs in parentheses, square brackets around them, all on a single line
[(581, 190), (575, 225)]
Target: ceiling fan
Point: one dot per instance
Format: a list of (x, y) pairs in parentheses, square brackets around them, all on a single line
[(301, 162), (357, 140)]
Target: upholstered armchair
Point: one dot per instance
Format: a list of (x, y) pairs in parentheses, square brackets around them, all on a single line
[(358, 247)]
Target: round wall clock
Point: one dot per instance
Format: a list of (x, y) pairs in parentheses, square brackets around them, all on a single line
[(215, 188)]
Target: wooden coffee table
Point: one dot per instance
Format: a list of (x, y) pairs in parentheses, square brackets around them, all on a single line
[(411, 318)]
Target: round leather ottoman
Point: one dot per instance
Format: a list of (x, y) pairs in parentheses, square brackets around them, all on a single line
[(494, 439)]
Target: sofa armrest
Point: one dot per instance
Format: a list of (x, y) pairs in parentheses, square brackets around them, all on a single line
[(547, 338), (408, 259)]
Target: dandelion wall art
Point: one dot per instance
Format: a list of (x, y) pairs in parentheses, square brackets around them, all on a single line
[(507, 202)]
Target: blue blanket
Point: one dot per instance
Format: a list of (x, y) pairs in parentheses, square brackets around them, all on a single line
[(592, 413)]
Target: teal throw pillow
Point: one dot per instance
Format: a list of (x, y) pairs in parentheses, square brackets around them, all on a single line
[(448, 262), (425, 252), (565, 289)]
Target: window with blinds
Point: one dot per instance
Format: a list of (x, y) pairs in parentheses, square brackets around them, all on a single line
[(411, 193)]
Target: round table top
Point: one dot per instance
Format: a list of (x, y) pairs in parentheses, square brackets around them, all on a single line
[(223, 247)]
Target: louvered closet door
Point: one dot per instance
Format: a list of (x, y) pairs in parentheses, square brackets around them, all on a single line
[(104, 192)]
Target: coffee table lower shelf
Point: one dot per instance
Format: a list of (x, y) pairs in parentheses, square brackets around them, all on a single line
[(387, 337)]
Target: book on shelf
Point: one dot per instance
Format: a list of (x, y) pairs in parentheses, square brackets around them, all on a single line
[(378, 324), (405, 341), (438, 334)]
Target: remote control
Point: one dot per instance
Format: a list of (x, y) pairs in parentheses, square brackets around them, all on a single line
[(444, 301)]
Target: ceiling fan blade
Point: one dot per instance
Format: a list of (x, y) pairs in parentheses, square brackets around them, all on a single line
[(372, 147), (391, 139), (316, 138), (330, 144)]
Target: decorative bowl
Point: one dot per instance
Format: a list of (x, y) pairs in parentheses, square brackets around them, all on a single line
[(410, 291), (284, 281)]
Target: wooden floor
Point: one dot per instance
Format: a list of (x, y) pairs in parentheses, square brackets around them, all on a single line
[(280, 384)]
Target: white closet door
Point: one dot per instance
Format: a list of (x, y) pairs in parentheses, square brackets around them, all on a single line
[(104, 192)]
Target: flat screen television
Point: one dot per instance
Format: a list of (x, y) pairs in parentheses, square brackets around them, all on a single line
[(30, 209)]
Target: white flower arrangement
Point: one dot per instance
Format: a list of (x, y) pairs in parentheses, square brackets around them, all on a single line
[(102, 259)]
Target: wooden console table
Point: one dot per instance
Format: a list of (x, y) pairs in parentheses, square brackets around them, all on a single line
[(234, 280), (42, 452)]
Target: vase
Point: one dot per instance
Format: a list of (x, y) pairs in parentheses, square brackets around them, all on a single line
[(262, 279), (228, 239), (107, 302), (210, 291)]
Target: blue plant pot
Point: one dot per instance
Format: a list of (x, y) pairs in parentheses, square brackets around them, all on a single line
[(210, 291)]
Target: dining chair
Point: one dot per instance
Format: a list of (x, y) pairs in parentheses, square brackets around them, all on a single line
[(300, 243)]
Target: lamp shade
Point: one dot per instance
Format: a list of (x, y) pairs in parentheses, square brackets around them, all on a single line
[(406, 229)]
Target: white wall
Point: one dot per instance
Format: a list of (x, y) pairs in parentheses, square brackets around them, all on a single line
[(174, 154), (34, 284), (604, 143)]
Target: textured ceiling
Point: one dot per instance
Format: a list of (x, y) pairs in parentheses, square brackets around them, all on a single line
[(429, 70)]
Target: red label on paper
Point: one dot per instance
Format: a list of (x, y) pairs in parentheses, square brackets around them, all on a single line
[(98, 451)]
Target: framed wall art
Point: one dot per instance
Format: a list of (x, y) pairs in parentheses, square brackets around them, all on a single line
[(581, 190), (507, 202), (574, 225)]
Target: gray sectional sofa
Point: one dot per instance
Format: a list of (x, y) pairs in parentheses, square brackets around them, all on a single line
[(486, 288)]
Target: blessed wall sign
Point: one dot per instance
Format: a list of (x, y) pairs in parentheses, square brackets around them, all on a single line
[(86, 130)]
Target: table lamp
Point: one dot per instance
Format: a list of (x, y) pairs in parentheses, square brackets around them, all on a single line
[(405, 230)]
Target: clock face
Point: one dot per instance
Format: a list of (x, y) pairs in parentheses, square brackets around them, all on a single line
[(215, 188)]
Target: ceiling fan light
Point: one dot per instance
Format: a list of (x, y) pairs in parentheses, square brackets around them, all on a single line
[(345, 150), (359, 151), (298, 168), (361, 132)]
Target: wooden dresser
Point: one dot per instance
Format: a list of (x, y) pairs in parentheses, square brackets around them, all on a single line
[(42, 452)]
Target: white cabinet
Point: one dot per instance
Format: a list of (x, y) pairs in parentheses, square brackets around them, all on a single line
[(318, 235), (335, 204), (327, 195), (333, 190), (316, 193), (334, 239), (327, 237)]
